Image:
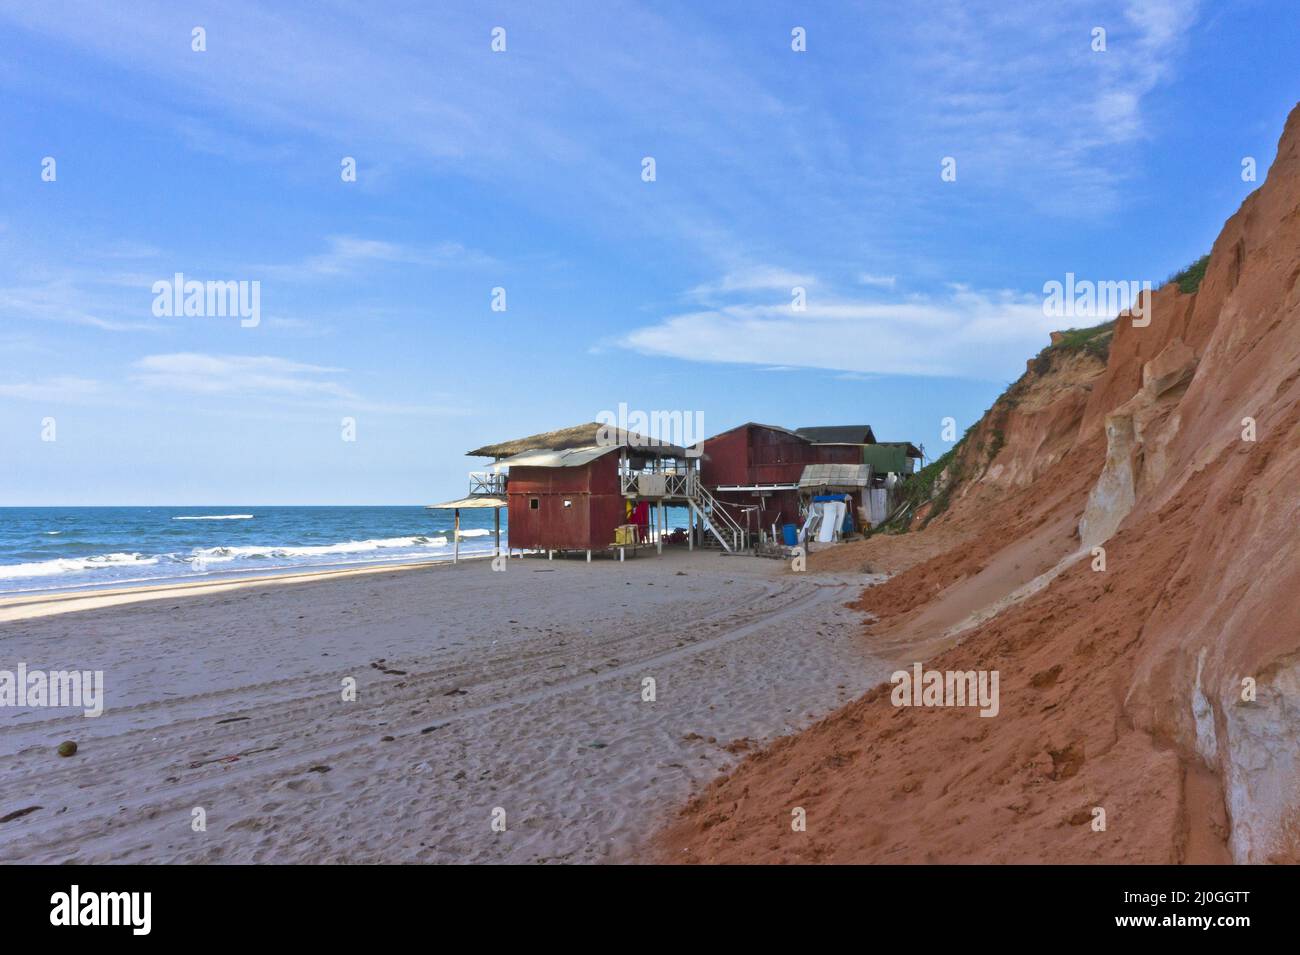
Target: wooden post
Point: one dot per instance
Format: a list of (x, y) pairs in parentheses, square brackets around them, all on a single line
[(455, 551), (496, 513), (690, 525), (662, 522)]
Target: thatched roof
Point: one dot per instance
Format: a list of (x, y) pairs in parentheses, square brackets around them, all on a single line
[(576, 437), (473, 501), (579, 436)]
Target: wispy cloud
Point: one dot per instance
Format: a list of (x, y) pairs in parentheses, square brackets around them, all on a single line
[(124, 248), (348, 255), (1041, 117), (70, 299), (61, 389), (1012, 91), (755, 278), (878, 281), (268, 377), (239, 374)]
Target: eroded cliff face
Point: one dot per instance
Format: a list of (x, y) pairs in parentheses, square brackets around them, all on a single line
[(1220, 677), (1033, 424), (1164, 688)]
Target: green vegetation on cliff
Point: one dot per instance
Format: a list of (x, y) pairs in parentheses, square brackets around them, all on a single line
[(1189, 279)]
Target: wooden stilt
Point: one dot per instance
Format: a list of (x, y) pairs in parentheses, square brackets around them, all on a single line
[(496, 513), (455, 547)]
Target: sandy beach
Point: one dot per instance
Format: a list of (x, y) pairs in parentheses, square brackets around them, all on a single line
[(476, 691)]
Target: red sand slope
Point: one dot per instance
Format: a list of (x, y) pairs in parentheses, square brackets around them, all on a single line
[(1120, 689)]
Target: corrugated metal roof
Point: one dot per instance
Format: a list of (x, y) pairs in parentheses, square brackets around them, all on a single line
[(885, 458), (912, 450), (835, 475), (553, 458), (756, 424), (839, 434)]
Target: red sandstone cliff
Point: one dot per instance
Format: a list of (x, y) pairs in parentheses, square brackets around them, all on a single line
[(1126, 689)]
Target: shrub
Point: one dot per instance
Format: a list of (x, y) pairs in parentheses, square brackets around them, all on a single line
[(1189, 279)]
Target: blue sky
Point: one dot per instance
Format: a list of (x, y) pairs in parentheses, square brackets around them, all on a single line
[(523, 170)]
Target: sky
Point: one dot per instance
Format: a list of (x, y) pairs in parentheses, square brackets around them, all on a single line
[(918, 175)]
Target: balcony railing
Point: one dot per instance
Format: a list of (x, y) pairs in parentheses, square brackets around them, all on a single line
[(664, 483), (486, 482)]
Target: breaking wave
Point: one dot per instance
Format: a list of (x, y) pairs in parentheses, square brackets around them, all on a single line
[(69, 565)]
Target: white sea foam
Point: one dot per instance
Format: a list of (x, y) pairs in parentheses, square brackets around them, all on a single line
[(216, 517), (223, 554), (67, 565), (126, 567)]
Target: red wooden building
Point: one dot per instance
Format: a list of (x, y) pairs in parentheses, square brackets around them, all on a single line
[(565, 500), (754, 469), (569, 489)]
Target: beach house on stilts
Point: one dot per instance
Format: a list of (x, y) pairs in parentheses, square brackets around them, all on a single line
[(595, 488)]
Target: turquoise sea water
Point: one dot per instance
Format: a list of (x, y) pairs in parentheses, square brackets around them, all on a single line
[(58, 548)]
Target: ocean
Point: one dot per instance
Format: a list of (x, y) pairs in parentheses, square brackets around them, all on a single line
[(48, 549)]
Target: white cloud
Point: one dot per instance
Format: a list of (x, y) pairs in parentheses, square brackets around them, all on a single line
[(965, 333)]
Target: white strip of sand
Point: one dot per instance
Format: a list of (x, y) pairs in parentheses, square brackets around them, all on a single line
[(26, 606)]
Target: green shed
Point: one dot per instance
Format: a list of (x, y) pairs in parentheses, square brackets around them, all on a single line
[(891, 456)]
